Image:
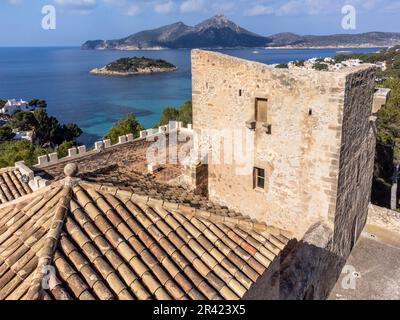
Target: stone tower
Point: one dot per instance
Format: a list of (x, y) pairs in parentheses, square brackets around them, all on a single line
[(311, 138)]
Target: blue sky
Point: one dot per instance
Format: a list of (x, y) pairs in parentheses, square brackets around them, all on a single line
[(80, 20)]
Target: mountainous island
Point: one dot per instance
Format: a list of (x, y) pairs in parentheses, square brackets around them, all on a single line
[(219, 32), (133, 66)]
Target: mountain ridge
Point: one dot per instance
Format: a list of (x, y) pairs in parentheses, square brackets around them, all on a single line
[(220, 32)]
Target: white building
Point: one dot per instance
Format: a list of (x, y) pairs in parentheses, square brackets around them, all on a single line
[(12, 106), (24, 135)]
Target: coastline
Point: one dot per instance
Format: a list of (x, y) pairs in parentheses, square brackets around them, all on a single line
[(104, 72), (352, 46), (328, 47)]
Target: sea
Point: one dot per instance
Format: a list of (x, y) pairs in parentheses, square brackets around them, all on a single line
[(61, 77)]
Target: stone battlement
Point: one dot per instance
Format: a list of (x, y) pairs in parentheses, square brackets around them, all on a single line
[(82, 151), (34, 182)]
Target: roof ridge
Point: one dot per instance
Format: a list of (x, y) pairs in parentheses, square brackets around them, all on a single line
[(46, 254), (242, 221)]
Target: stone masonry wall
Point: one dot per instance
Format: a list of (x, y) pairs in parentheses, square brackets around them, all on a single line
[(308, 272), (301, 156), (356, 161), (384, 218)]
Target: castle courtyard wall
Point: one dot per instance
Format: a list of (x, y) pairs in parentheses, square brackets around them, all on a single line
[(357, 156)]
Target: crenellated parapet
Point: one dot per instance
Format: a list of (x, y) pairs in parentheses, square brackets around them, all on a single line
[(99, 146), (35, 182)]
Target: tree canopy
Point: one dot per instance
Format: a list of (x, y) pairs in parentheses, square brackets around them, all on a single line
[(38, 103), (388, 122), (62, 149), (14, 151), (48, 130), (49, 134), (183, 114), (124, 126), (6, 133)]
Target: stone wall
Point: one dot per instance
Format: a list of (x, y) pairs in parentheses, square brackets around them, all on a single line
[(201, 178), (301, 155), (384, 218), (35, 182), (75, 153), (357, 157), (380, 98), (309, 271)]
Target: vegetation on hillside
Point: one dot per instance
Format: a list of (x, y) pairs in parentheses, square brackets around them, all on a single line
[(136, 64), (388, 122), (14, 151), (124, 126), (184, 114), (49, 136), (320, 66), (62, 149), (38, 103), (391, 56), (282, 66), (48, 131), (6, 133)]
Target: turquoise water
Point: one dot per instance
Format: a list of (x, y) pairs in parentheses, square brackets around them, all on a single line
[(61, 76)]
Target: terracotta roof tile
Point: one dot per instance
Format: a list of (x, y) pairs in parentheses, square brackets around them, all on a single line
[(107, 243), (12, 186)]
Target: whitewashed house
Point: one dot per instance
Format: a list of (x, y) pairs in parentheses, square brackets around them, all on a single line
[(12, 106), (24, 135)]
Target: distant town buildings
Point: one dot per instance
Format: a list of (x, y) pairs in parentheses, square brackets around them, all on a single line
[(24, 135), (331, 64), (13, 105)]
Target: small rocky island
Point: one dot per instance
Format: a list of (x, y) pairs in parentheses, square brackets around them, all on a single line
[(133, 66)]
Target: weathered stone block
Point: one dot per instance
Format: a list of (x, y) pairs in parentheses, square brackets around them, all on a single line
[(42, 183), (99, 145), (129, 137), (81, 150), (43, 159), (72, 152), (122, 140), (163, 129), (53, 157), (107, 143), (25, 170)]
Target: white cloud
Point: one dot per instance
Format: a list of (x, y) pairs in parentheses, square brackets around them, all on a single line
[(392, 7), (223, 7), (259, 10), (133, 10), (126, 7), (230, 7), (192, 6), (290, 8), (164, 7), (308, 7), (14, 2), (78, 6)]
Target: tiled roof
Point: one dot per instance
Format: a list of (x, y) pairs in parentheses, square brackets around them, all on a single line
[(119, 165), (106, 243), (11, 185), (125, 167)]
